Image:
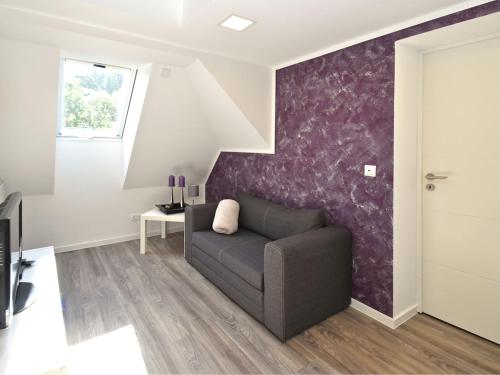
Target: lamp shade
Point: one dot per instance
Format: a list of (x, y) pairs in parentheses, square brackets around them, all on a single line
[(193, 191)]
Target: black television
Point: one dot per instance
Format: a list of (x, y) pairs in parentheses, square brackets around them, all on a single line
[(11, 233)]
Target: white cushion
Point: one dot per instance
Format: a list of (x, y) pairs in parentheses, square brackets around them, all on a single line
[(226, 217)]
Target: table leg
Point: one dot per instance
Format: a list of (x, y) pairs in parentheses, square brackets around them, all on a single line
[(163, 225), (143, 236), (184, 242)]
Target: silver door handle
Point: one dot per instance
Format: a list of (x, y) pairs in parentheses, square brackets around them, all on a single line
[(432, 176)]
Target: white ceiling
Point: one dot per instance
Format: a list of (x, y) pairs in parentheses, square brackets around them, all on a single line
[(284, 31)]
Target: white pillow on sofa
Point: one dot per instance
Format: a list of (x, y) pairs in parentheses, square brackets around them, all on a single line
[(226, 217)]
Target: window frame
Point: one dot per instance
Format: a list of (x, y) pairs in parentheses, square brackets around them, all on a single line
[(128, 101)]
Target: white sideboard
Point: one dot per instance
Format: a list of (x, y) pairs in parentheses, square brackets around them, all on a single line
[(35, 343)]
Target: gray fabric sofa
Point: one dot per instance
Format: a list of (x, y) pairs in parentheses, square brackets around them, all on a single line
[(283, 266)]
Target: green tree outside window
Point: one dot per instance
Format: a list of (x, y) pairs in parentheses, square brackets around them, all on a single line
[(91, 100)]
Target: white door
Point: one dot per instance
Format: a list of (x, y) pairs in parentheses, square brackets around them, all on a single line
[(461, 217)]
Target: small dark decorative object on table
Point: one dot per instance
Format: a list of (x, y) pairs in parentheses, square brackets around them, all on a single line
[(171, 208)]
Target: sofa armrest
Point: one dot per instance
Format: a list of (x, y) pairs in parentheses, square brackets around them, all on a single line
[(197, 217), (307, 278)]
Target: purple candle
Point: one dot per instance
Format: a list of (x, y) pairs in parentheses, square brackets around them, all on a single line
[(171, 180), (182, 181)]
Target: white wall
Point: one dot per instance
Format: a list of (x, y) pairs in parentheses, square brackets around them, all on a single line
[(406, 99), (89, 204), (28, 112)]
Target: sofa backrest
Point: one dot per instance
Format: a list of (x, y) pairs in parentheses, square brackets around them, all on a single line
[(274, 221)]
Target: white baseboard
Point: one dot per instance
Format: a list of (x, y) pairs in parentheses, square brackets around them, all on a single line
[(406, 315), (372, 313), (112, 240), (382, 318)]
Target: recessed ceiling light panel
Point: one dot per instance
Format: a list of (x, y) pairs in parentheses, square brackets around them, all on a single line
[(236, 23)]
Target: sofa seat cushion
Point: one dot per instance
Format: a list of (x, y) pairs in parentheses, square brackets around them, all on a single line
[(242, 253)]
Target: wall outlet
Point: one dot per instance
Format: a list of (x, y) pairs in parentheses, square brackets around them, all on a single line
[(370, 170), (135, 217), (165, 72)]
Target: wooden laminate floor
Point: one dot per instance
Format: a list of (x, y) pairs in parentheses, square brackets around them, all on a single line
[(186, 325)]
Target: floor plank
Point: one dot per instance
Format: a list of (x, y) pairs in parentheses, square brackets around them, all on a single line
[(186, 325)]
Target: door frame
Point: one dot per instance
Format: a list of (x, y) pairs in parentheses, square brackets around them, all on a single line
[(408, 144)]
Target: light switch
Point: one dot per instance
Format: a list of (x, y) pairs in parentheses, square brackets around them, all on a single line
[(370, 170)]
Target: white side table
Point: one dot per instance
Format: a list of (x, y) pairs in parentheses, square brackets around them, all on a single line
[(156, 215)]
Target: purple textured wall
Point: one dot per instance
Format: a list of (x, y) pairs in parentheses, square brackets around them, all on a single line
[(334, 114)]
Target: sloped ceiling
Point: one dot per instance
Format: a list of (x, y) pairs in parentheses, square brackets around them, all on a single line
[(137, 100), (190, 116), (231, 127), (173, 136), (250, 87)]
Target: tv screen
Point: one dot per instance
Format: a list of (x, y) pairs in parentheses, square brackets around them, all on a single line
[(10, 254)]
